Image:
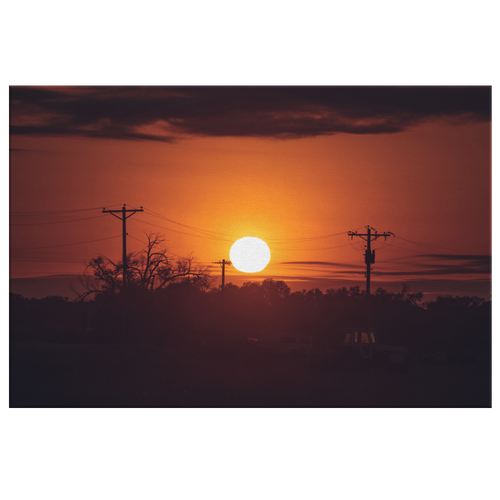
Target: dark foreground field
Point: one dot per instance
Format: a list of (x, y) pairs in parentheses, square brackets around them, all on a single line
[(91, 375)]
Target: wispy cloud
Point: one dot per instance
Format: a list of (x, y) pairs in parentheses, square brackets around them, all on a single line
[(479, 260), (314, 263), (449, 270), (462, 265), (167, 113), (418, 266)]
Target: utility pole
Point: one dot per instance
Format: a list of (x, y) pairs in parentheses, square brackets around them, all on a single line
[(223, 263), (369, 254), (123, 218)]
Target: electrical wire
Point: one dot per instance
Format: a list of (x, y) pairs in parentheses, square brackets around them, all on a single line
[(406, 257), (68, 244), (48, 259), (137, 239), (215, 235), (354, 245), (58, 212), (204, 231), (143, 242), (386, 244), (432, 248), (181, 232), (210, 233), (56, 222), (231, 241), (315, 249), (404, 248), (305, 239)]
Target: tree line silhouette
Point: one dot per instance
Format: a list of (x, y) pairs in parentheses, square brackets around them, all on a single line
[(168, 300)]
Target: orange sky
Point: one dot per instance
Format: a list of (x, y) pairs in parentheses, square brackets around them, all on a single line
[(428, 182)]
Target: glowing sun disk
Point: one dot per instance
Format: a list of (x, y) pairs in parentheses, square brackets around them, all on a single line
[(250, 255)]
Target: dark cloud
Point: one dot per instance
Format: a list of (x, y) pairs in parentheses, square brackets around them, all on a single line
[(166, 113)]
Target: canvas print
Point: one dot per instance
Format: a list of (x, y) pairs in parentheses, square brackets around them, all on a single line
[(250, 246)]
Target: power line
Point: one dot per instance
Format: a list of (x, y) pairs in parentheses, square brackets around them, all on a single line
[(207, 234), (429, 246), (56, 222), (316, 249), (311, 238), (432, 248), (405, 248), (57, 212), (67, 244), (357, 246), (415, 255), (137, 239), (47, 259), (211, 233), (205, 231), (181, 232), (305, 239), (144, 243)]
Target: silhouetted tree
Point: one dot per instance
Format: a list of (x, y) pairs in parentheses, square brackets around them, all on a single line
[(460, 322), (149, 270), (410, 298), (274, 291), (52, 318)]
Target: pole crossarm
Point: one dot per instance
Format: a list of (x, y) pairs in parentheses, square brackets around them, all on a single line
[(121, 211), (223, 262), (371, 235)]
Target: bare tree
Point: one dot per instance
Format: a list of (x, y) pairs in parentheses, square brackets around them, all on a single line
[(150, 269)]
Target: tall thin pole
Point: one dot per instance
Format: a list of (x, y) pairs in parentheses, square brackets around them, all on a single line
[(368, 259), (124, 230), (223, 273), (123, 218), (369, 254), (223, 263)]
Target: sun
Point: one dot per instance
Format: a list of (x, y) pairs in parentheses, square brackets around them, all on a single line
[(250, 255)]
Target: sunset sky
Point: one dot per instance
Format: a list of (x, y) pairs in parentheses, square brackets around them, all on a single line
[(298, 167)]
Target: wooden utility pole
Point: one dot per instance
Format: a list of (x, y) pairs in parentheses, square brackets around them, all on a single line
[(123, 211), (223, 263), (369, 253)]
